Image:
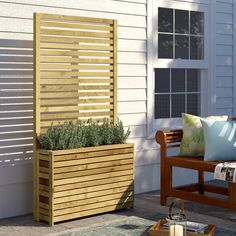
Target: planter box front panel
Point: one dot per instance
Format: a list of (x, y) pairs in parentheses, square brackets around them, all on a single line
[(85, 181)]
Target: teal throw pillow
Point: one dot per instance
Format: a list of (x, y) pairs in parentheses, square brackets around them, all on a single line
[(220, 140), (192, 143)]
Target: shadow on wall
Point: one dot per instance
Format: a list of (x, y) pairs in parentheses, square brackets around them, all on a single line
[(16, 101)]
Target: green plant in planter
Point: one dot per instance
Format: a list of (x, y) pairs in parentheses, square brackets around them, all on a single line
[(75, 135)]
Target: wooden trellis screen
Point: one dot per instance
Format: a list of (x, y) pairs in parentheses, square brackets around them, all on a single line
[(75, 69), (75, 72)]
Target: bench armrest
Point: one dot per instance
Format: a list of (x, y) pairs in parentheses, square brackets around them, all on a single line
[(168, 139)]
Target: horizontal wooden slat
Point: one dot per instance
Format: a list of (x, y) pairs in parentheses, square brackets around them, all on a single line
[(60, 38), (46, 16), (43, 211), (58, 102), (93, 177), (93, 182), (52, 60), (69, 73), (75, 67), (43, 205), (68, 94), (91, 172), (59, 88), (95, 107), (76, 33), (44, 170), (52, 116), (93, 189), (75, 46), (93, 194), (92, 206), (93, 157), (59, 108), (76, 53), (75, 26), (92, 212), (43, 193), (92, 149), (91, 166), (43, 175), (95, 114), (94, 100), (91, 200)]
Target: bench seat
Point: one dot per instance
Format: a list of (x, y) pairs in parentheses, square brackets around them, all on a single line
[(199, 192)]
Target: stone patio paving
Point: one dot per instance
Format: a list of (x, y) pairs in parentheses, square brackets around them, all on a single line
[(146, 205)]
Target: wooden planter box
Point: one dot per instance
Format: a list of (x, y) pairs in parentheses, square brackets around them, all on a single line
[(85, 181)]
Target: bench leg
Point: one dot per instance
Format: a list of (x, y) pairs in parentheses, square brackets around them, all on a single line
[(167, 184), (232, 192), (201, 181)]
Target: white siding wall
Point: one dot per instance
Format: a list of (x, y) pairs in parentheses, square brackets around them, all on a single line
[(224, 57), (16, 35), (16, 87)]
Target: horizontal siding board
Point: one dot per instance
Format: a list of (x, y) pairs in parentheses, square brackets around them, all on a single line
[(21, 174), (133, 45), (224, 7), (224, 92), (132, 70), (131, 107), (147, 157), (224, 29), (131, 82), (92, 5), (224, 60), (224, 50), (133, 119), (22, 11), (131, 58), (225, 18), (224, 71), (224, 39), (224, 81), (138, 131), (228, 111), (224, 102), (131, 95)]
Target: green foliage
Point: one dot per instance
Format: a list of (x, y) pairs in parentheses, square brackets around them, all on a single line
[(75, 135)]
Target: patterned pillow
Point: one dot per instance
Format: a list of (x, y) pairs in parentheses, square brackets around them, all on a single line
[(192, 143)]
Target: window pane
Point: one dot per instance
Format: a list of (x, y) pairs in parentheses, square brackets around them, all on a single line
[(181, 21), (177, 105), (196, 48), (193, 80), (196, 22), (177, 80), (181, 47), (165, 20), (165, 46), (162, 80), (162, 106), (193, 104)]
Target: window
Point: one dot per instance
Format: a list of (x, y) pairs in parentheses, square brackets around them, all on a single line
[(180, 34), (177, 91), (178, 61)]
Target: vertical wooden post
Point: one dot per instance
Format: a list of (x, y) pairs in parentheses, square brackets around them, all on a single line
[(51, 190), (36, 113), (115, 71)]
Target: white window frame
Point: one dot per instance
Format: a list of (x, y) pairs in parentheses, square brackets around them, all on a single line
[(154, 62)]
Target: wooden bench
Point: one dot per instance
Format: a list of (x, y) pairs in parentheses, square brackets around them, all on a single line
[(193, 192)]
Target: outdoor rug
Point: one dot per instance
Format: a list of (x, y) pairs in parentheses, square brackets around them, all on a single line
[(131, 226)]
